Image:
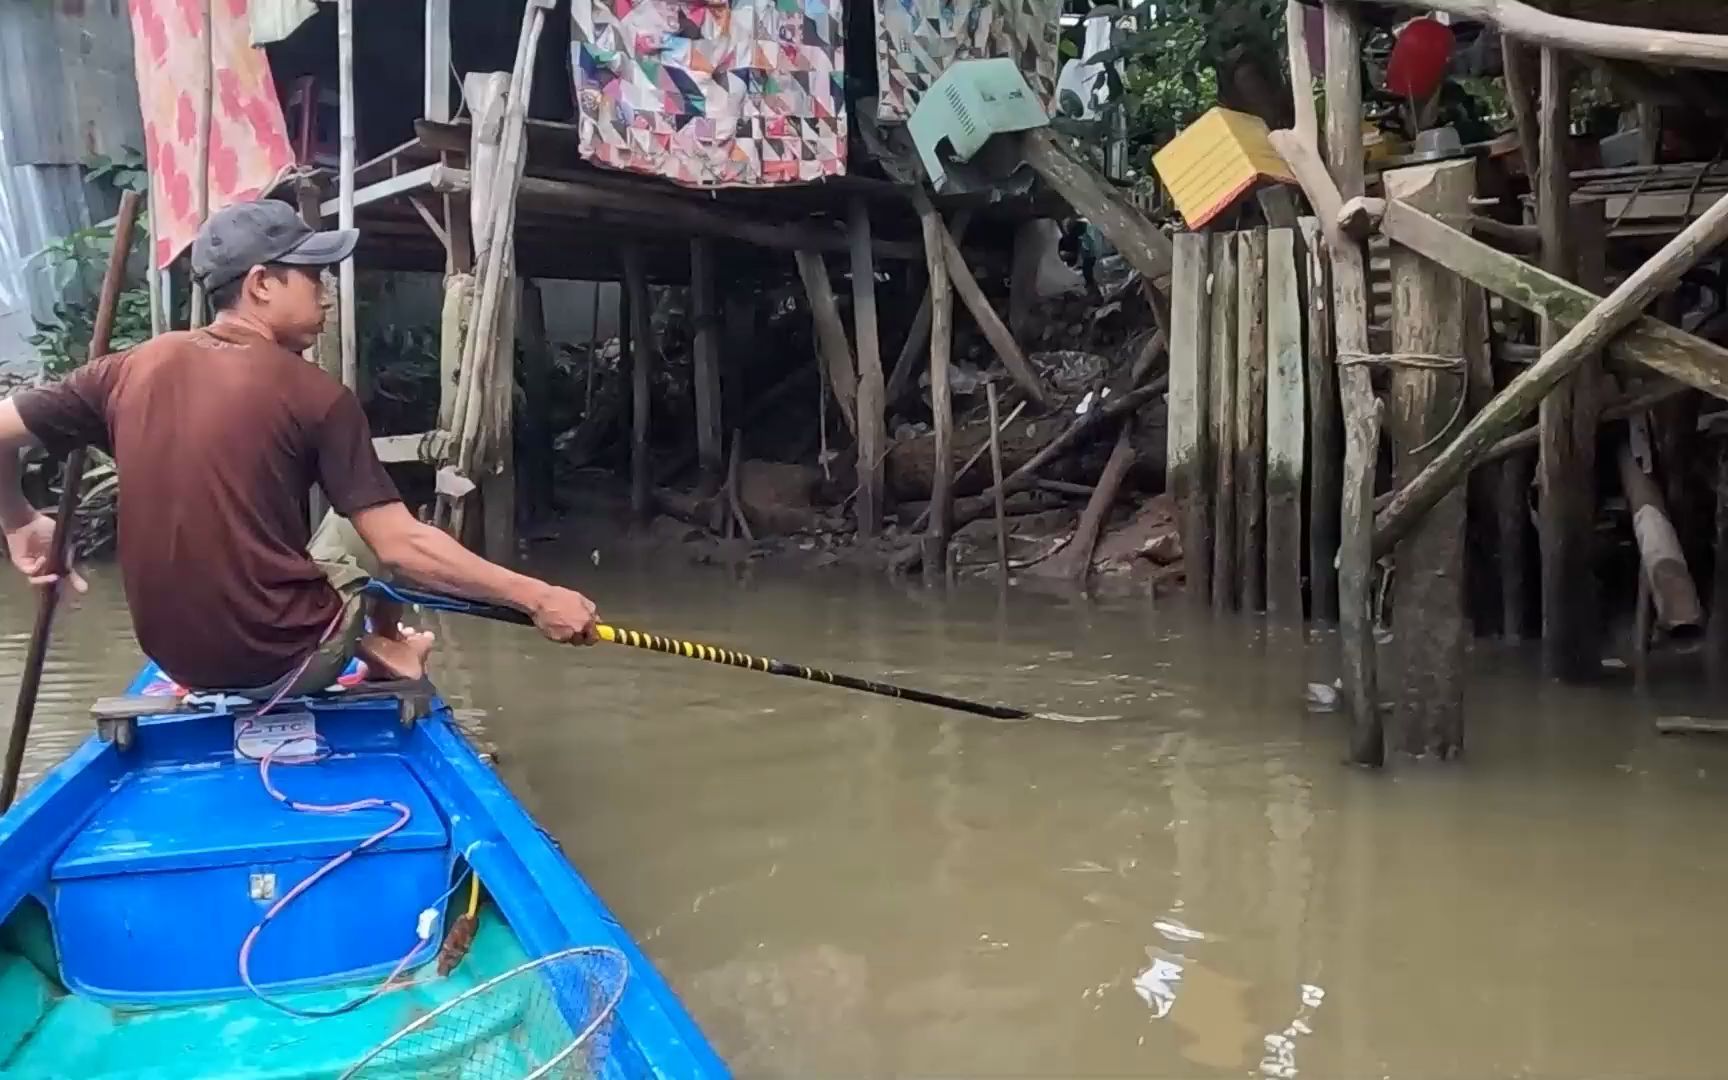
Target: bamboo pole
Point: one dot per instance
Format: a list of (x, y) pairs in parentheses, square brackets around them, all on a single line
[(1662, 560), (836, 354), (1251, 314), (1622, 308), (347, 150), (872, 424), (918, 335), (1188, 458), (996, 482), (1325, 463), (1222, 417), (1428, 319), (942, 411), (1285, 428), (641, 358), (201, 147)]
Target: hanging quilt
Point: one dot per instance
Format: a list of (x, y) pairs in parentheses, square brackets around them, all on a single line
[(249, 147), (917, 40), (712, 94)]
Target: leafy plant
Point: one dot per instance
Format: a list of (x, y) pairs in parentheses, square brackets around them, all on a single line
[(64, 340)]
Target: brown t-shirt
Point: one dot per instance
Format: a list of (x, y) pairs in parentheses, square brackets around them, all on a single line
[(219, 435)]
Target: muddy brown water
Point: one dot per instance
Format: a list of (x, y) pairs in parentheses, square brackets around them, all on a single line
[(1185, 884)]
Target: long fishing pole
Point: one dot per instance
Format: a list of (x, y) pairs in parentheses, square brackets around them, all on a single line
[(71, 481), (617, 635)]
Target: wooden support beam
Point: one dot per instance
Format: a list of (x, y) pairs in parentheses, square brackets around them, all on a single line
[(1138, 241), (641, 360), (1428, 319), (1648, 342), (705, 362), (1285, 428), (1356, 390), (397, 186), (1188, 458), (872, 424), (1521, 77), (913, 350), (674, 215), (1251, 417), (1221, 415), (941, 405), (1589, 335), (1659, 47), (1075, 562), (1662, 559), (1325, 467), (536, 470), (1566, 461), (435, 93), (995, 331), (836, 354), (497, 468)]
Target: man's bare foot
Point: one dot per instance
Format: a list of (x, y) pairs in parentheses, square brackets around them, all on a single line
[(401, 656)]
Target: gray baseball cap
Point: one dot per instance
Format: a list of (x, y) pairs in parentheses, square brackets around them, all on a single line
[(236, 238)]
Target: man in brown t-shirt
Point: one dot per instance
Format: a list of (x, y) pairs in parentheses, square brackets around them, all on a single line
[(218, 435)]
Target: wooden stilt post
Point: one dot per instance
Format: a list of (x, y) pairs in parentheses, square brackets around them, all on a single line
[(1222, 416), (836, 354), (347, 149), (1428, 608), (1251, 417), (537, 470), (1566, 463), (1663, 561), (1356, 390), (1188, 459), (705, 359), (1716, 647), (1325, 429), (497, 470), (913, 349), (872, 430), (941, 341), (641, 359), (996, 482), (1285, 428)]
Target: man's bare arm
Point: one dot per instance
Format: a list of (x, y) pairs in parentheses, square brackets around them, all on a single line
[(429, 557), (15, 511)]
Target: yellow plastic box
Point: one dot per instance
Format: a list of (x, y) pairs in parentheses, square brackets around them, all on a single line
[(1215, 161)]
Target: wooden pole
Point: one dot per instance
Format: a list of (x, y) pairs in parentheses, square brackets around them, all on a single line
[(872, 423), (1658, 47), (436, 67), (1716, 644), (1356, 390), (1251, 314), (836, 354), (914, 349), (941, 406), (1566, 463), (705, 361), (641, 358), (1285, 428), (497, 479), (1325, 445), (1188, 459), (1521, 98), (996, 479), (347, 150), (1222, 416), (1623, 307), (1077, 557), (71, 487), (1663, 561), (1135, 238), (201, 148), (1428, 606), (537, 471)]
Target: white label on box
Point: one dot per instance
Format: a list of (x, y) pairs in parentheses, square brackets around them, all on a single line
[(295, 733)]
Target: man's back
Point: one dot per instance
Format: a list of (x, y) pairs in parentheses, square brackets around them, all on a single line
[(219, 435)]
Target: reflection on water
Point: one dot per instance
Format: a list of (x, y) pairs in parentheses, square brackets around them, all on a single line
[(1188, 884)]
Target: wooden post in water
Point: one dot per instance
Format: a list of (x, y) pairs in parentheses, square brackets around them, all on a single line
[(1222, 417), (1430, 388), (705, 360), (872, 423), (1285, 428), (941, 342), (996, 482), (1566, 464), (835, 353), (1356, 390), (1251, 417), (497, 468), (536, 472), (1325, 443), (641, 358), (1188, 456)]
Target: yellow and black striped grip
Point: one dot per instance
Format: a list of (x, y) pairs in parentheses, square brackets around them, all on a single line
[(617, 635)]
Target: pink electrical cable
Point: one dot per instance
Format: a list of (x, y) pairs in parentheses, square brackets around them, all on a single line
[(321, 751)]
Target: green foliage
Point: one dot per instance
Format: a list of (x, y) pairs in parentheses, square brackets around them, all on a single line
[(64, 341)]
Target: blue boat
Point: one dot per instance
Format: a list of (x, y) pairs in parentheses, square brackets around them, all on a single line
[(133, 876)]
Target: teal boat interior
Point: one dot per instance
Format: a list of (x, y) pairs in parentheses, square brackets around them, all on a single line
[(211, 893)]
